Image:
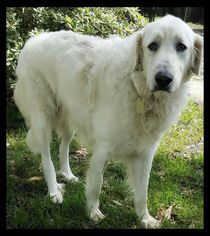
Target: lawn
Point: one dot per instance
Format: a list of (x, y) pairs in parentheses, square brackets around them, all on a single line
[(175, 189)]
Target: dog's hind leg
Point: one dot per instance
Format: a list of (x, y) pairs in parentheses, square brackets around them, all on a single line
[(56, 190), (38, 138), (35, 99), (65, 170)]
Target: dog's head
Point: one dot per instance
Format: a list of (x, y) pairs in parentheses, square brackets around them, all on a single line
[(168, 51)]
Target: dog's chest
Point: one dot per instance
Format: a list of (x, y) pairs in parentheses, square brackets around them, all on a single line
[(127, 128)]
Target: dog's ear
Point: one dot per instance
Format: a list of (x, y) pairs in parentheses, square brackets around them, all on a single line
[(137, 52), (197, 54)]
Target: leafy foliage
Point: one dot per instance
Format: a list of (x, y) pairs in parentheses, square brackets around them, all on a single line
[(25, 22)]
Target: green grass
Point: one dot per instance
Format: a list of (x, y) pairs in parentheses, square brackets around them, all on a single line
[(176, 181)]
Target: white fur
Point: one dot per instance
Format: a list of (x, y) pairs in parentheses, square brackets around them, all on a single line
[(70, 82)]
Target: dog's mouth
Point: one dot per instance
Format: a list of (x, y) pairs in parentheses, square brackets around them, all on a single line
[(165, 89)]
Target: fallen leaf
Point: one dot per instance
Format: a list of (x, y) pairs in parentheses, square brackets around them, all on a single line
[(165, 213), (117, 203), (35, 178), (82, 152), (168, 212), (161, 173)]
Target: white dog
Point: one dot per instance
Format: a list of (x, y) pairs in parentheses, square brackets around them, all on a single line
[(118, 94)]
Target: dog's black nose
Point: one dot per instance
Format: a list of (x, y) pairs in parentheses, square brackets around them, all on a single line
[(163, 79)]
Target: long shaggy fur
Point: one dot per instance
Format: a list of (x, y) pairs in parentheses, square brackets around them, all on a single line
[(69, 82)]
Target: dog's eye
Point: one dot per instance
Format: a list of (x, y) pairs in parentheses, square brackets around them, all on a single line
[(153, 46), (180, 47)]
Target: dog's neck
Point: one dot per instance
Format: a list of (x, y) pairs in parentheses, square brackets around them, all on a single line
[(147, 100)]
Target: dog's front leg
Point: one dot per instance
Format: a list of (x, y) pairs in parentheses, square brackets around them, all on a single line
[(94, 182), (139, 171)]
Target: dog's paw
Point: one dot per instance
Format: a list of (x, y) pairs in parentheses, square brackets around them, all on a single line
[(96, 215), (68, 177), (150, 223), (58, 197)]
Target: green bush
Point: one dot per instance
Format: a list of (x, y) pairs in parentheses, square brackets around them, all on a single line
[(23, 22)]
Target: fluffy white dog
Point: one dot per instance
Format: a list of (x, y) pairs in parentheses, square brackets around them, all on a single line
[(118, 94)]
